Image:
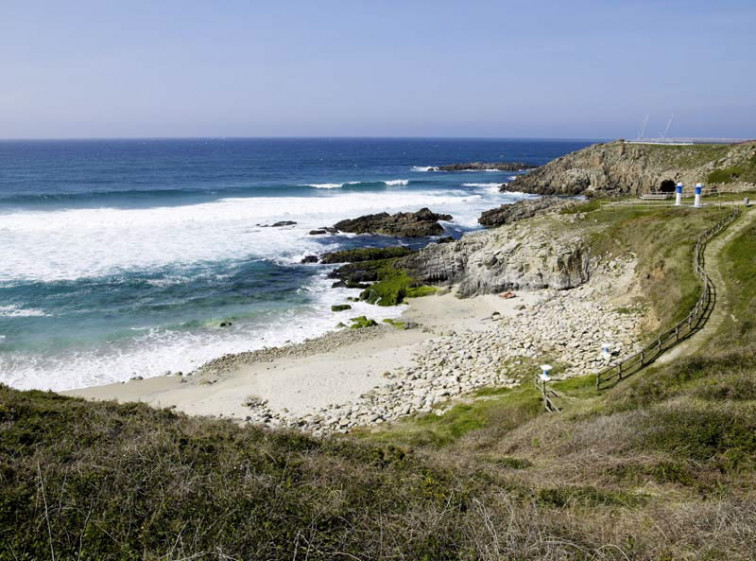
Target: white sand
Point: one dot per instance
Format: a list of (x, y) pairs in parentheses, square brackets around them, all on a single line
[(304, 384)]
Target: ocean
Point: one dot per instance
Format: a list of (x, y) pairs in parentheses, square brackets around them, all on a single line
[(122, 258)]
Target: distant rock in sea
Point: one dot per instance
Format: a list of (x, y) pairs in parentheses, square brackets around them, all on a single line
[(488, 166)]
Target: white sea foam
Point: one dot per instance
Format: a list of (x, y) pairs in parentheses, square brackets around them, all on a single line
[(86, 243), (79, 243), (397, 182), (154, 352), (481, 185), (424, 168), (324, 185), (17, 312)]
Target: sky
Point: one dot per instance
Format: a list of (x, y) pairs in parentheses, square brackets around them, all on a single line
[(476, 68)]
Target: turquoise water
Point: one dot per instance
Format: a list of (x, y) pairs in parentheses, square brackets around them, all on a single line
[(122, 258)]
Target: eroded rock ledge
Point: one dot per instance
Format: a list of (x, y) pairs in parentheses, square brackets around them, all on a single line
[(514, 256), (510, 213)]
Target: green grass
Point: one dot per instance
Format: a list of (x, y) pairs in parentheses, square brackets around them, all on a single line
[(361, 322), (393, 286), (565, 496), (663, 240), (503, 408), (588, 206)]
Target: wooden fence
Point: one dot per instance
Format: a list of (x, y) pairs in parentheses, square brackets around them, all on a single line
[(546, 394), (695, 320)]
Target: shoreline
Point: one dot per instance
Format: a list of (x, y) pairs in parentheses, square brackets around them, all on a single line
[(365, 377), (302, 377)]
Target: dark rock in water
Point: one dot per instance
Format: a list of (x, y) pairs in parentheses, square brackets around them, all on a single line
[(323, 231), (226, 324), (486, 166), (340, 307), (365, 254), (349, 283), (506, 214), (445, 239), (403, 224), (278, 224), (366, 271), (309, 259)]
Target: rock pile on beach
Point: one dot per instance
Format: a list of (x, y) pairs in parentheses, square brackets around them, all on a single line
[(565, 328)]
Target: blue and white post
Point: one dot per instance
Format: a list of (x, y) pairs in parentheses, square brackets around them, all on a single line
[(606, 352), (697, 203), (678, 194)]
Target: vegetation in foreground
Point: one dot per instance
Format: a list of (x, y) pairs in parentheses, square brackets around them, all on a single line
[(660, 467)]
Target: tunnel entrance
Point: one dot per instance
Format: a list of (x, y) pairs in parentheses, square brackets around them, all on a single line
[(667, 186)]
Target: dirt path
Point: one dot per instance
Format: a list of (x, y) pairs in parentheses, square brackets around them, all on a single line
[(712, 266)]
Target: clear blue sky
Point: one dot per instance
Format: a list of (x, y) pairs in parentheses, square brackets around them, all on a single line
[(177, 68)]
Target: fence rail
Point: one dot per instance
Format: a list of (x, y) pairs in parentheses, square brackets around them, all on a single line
[(547, 395), (612, 375)]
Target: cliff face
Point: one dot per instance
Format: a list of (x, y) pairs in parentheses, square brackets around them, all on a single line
[(522, 255), (621, 167)]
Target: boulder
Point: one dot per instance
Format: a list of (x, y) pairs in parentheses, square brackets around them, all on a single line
[(323, 231)]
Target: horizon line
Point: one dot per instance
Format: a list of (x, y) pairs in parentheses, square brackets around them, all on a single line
[(303, 137)]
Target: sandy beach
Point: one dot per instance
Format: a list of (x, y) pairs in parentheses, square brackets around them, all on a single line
[(333, 369)]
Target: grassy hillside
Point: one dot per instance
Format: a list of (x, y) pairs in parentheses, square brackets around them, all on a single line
[(660, 467)]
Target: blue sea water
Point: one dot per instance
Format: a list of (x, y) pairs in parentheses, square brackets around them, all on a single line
[(123, 257)]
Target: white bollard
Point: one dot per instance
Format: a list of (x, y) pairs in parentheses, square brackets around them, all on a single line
[(606, 352), (545, 372), (697, 203), (678, 194)]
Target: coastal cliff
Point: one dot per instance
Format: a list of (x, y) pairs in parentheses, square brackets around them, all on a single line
[(515, 256), (621, 167)]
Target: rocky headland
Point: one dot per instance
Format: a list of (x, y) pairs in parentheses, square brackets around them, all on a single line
[(622, 167)]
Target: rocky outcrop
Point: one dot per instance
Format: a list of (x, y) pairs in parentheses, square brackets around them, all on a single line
[(507, 214), (365, 254), (488, 166), (627, 168), (403, 224), (510, 257)]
